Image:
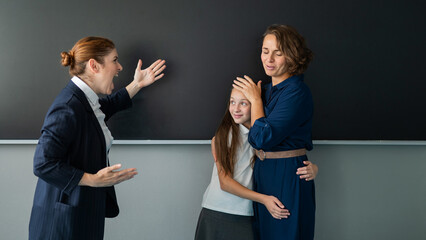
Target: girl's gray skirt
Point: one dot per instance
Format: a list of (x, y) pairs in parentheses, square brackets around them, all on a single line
[(214, 225)]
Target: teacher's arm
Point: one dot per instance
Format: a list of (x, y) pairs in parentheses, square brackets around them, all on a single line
[(253, 93), (122, 99), (50, 158), (293, 109)]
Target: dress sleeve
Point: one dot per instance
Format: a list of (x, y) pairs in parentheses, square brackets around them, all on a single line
[(115, 102), (50, 158), (293, 108)]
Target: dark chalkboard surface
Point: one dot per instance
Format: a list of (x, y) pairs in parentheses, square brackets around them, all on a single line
[(367, 77)]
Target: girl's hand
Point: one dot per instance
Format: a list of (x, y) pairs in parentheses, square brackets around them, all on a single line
[(309, 172), (275, 207)]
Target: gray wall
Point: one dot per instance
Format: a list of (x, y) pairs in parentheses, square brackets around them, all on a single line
[(363, 192)]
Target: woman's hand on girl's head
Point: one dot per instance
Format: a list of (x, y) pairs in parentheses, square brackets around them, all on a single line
[(309, 172), (275, 207), (246, 85), (147, 76)]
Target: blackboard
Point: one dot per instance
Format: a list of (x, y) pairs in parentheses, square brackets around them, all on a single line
[(367, 77)]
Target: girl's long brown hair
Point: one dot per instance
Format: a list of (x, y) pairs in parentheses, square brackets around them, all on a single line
[(225, 153)]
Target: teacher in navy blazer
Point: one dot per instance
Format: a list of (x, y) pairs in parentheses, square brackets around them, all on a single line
[(75, 188)]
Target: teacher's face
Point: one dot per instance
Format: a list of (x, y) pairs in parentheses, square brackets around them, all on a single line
[(108, 70), (272, 58)]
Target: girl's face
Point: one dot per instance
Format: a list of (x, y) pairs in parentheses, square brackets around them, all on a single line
[(110, 69), (240, 108), (272, 58)]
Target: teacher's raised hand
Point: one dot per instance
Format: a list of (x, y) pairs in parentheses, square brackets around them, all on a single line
[(146, 77)]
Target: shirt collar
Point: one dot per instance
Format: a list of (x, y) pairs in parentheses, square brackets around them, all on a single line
[(288, 81), (90, 94), (243, 129)]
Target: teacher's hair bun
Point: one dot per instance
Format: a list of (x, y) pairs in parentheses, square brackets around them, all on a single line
[(67, 58)]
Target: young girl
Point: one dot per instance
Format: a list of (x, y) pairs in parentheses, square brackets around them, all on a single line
[(227, 203)]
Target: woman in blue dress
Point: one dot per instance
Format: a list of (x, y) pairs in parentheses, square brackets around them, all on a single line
[(281, 123)]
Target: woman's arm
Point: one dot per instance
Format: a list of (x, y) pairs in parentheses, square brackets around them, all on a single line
[(253, 93), (50, 158), (228, 184), (292, 111), (145, 77), (115, 102)]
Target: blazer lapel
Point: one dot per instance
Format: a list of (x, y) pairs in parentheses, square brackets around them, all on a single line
[(82, 97)]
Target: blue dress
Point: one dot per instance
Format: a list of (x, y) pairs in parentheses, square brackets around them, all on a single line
[(286, 126)]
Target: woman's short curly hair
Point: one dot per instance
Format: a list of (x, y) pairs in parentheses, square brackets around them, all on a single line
[(293, 45)]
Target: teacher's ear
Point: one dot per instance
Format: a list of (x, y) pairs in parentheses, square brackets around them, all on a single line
[(93, 65)]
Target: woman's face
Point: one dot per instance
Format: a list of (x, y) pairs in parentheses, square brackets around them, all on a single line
[(240, 108), (272, 58), (108, 70)]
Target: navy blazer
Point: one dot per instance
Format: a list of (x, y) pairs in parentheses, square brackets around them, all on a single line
[(71, 143)]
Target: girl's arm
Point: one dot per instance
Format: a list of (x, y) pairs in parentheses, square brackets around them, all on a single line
[(228, 184)]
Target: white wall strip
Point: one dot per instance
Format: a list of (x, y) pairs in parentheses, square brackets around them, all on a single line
[(197, 142), (26, 141), (370, 142)]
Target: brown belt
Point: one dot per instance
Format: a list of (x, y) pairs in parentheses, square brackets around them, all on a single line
[(282, 154)]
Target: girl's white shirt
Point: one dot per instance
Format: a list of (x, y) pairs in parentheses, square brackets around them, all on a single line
[(218, 200)]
